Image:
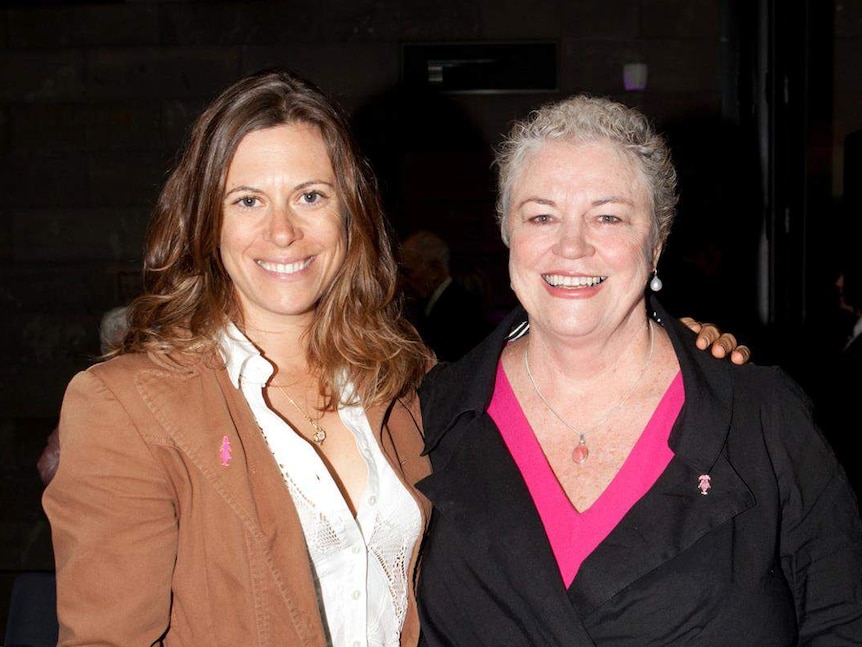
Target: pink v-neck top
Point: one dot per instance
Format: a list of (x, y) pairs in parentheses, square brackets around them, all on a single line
[(573, 535)]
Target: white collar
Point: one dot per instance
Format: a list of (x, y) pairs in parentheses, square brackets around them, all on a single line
[(242, 358), (245, 363)]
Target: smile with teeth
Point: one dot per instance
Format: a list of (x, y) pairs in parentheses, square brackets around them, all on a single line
[(286, 268), (561, 281)]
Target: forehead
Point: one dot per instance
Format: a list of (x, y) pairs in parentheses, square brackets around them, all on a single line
[(284, 140), (566, 166), (284, 150)]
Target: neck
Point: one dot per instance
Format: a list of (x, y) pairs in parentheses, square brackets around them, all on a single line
[(286, 347), (589, 361)]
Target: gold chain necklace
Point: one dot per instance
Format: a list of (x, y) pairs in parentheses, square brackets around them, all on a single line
[(581, 452), (319, 432)]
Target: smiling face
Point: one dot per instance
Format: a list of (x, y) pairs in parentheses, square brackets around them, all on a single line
[(283, 237), (581, 244)]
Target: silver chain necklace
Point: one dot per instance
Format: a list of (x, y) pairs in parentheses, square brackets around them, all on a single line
[(581, 452)]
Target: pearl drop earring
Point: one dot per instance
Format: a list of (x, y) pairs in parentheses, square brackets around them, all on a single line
[(655, 283)]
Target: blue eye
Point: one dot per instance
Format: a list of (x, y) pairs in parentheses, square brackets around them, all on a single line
[(609, 219), (310, 197), (247, 201)]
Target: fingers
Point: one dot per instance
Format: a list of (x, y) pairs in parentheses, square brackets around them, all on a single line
[(708, 335), (691, 323), (720, 344), (741, 354), (724, 345)]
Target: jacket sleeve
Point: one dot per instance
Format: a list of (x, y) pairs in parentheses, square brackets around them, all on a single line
[(113, 523), (821, 530)]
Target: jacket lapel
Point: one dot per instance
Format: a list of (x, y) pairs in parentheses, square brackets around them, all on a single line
[(212, 424), (638, 545), (482, 491), (204, 413), (478, 485)]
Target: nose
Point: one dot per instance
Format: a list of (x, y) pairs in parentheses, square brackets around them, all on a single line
[(283, 227), (573, 241)]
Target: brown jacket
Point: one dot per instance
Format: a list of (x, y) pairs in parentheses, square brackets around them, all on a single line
[(158, 542)]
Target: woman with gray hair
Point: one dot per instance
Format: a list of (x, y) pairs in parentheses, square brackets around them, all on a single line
[(596, 480)]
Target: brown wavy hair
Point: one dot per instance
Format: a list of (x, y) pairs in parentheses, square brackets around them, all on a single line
[(358, 335)]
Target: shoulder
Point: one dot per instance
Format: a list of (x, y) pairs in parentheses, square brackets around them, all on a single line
[(125, 364), (133, 398), (129, 365), (143, 377), (784, 407), (768, 386), (765, 392), (774, 431), (115, 374)]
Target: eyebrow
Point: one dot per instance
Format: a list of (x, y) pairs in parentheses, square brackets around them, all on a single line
[(300, 187), (242, 188), (542, 201), (612, 199)]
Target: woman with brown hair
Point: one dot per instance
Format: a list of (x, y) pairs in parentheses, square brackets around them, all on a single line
[(269, 329)]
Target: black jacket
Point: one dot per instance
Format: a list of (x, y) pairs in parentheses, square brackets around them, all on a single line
[(772, 555)]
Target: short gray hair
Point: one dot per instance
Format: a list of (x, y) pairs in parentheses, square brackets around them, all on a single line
[(583, 119)]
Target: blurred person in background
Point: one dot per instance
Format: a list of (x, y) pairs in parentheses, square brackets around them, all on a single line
[(112, 329), (450, 317)]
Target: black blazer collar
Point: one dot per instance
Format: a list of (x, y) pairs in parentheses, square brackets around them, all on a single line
[(708, 384), (464, 388)]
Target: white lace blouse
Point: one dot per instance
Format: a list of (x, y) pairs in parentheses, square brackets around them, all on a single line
[(360, 564)]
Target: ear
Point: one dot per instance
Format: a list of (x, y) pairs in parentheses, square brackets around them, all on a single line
[(656, 254)]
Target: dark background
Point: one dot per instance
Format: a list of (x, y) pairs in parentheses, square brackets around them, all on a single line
[(756, 96)]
